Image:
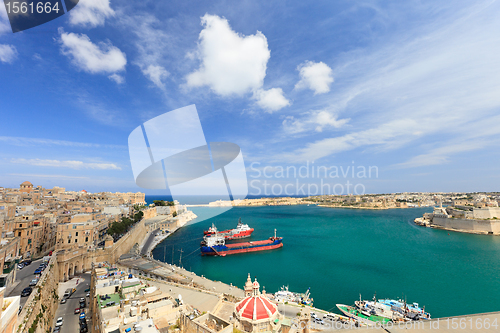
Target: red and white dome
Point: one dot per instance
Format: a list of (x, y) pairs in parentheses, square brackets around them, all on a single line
[(255, 306)]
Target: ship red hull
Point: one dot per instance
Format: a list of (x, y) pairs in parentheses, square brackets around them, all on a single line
[(228, 236)]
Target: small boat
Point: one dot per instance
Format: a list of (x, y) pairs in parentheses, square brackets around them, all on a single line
[(284, 295), (411, 311), (215, 245), (241, 231), (369, 320)]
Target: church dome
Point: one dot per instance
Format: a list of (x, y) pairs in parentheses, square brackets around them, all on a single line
[(256, 308)]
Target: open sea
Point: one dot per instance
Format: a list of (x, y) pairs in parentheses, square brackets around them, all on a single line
[(342, 253)]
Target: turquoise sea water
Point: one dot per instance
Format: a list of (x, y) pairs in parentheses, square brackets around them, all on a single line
[(340, 253)]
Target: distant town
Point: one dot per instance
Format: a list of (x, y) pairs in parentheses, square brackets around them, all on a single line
[(81, 262)]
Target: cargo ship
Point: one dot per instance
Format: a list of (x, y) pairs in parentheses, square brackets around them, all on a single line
[(241, 231), (215, 245)]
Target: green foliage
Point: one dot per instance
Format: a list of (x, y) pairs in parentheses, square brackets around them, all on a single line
[(121, 227), (139, 207), (159, 202), (174, 214)]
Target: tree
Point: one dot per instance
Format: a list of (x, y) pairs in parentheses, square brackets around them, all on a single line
[(159, 202), (138, 216), (174, 214)]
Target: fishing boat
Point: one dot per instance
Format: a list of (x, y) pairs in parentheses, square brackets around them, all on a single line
[(369, 308), (215, 245), (284, 295), (362, 318), (241, 231), (411, 311)]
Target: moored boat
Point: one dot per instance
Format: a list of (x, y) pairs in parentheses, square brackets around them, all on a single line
[(362, 318), (215, 245), (241, 231), (411, 311), (284, 295)]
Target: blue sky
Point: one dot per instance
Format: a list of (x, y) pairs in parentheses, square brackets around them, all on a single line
[(410, 87)]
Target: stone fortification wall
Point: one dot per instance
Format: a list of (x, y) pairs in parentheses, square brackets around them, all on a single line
[(468, 225), (36, 316)]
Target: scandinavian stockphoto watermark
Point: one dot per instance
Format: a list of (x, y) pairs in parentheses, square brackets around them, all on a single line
[(463, 324), (310, 179), (26, 14)]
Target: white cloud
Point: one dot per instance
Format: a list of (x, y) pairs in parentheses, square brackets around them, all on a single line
[(316, 120), (439, 83), (231, 64), (316, 76), (65, 164), (117, 78), (157, 43), (442, 154), (92, 58), (271, 100), (156, 74), (90, 13), (23, 141), (8, 53)]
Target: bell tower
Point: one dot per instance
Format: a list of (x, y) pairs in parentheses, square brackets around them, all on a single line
[(248, 286)]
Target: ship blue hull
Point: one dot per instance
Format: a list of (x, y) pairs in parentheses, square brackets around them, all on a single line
[(241, 247)]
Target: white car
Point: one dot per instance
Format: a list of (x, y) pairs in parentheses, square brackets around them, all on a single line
[(313, 315), (319, 321), (59, 322)]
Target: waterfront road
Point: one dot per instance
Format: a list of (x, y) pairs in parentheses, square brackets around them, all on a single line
[(23, 278), (67, 310), (148, 242)]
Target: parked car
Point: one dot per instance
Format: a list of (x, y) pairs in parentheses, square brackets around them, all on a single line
[(88, 295), (82, 315), (26, 291), (20, 266), (57, 329), (77, 310), (26, 262), (319, 321), (59, 322), (63, 300), (33, 282), (38, 271)]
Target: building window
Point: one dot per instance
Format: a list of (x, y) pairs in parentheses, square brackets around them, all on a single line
[(19, 234), (69, 241), (20, 225), (86, 239), (76, 234), (76, 240)]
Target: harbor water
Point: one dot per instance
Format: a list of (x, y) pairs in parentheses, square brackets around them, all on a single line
[(342, 253)]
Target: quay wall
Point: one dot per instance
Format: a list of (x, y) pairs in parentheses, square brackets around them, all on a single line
[(468, 225)]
